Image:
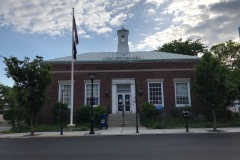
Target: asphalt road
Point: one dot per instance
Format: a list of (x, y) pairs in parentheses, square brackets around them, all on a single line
[(220, 146)]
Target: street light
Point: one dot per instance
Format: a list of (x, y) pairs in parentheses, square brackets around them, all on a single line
[(61, 133), (91, 75)]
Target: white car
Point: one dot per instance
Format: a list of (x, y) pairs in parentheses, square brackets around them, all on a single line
[(236, 104)]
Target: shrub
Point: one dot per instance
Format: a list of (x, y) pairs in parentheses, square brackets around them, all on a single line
[(56, 112), (148, 110), (21, 127), (83, 114), (15, 116), (177, 112), (224, 114), (97, 112)]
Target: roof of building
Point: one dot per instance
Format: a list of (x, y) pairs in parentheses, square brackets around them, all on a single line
[(98, 57)]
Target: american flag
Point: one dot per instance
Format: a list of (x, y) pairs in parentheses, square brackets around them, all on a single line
[(75, 31), (75, 38), (74, 50)]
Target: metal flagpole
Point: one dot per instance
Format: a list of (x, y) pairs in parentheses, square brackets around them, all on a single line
[(72, 87), (239, 32)]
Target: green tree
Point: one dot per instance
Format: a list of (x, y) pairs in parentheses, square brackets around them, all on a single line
[(188, 47), (7, 98), (210, 84), (30, 83), (228, 53), (4, 95)]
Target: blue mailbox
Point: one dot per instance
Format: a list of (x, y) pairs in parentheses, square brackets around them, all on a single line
[(104, 121)]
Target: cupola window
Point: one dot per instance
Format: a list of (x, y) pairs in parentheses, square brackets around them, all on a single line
[(122, 38)]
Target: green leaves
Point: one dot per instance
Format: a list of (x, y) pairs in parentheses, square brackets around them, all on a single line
[(31, 79), (228, 54), (211, 81), (187, 47)]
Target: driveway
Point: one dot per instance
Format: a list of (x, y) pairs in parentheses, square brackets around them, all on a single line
[(4, 127)]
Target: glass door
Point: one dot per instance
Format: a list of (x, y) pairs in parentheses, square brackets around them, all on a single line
[(124, 102)]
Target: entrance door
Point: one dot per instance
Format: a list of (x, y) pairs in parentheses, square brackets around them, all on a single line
[(124, 102)]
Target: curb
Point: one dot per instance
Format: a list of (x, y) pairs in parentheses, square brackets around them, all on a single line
[(119, 131)]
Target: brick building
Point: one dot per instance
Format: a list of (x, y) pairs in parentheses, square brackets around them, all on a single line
[(163, 79)]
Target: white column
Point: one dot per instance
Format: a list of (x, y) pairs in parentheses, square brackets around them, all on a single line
[(133, 98), (114, 98)]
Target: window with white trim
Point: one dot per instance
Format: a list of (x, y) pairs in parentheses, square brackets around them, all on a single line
[(88, 94), (65, 94), (155, 93), (182, 94)]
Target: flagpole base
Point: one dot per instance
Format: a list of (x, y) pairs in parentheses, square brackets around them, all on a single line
[(70, 127)]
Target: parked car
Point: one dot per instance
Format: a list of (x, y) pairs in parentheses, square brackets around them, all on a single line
[(236, 104)]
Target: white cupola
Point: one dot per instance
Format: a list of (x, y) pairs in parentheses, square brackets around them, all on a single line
[(123, 47)]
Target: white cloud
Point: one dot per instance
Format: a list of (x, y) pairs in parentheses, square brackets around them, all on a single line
[(211, 21), (159, 38), (118, 19), (54, 17), (158, 19), (151, 11), (130, 15), (104, 30), (156, 2)]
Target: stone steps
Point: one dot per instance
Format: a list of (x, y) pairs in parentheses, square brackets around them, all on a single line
[(116, 120)]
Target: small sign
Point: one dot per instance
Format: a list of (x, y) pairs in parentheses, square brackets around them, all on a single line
[(103, 121), (159, 107)]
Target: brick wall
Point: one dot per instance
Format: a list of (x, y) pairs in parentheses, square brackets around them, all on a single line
[(107, 71)]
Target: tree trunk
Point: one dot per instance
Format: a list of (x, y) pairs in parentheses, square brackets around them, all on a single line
[(13, 124), (214, 120), (32, 129)]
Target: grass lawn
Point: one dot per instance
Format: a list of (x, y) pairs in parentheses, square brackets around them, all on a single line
[(47, 128), (156, 124), (180, 123)]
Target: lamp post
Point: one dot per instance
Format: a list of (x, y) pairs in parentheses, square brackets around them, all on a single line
[(61, 133), (137, 131), (186, 116), (91, 75)]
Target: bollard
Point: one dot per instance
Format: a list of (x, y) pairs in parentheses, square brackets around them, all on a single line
[(61, 120), (186, 116)]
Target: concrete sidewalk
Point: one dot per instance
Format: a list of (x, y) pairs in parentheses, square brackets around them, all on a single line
[(121, 131)]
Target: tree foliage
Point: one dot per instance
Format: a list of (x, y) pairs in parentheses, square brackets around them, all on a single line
[(7, 99), (6, 96), (228, 53), (16, 116), (210, 84), (30, 83), (188, 47)]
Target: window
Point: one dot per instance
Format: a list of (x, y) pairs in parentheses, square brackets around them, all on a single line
[(155, 93), (122, 38), (123, 88), (65, 94), (88, 94), (182, 94)]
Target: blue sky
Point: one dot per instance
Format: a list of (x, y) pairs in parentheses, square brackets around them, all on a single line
[(43, 27)]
